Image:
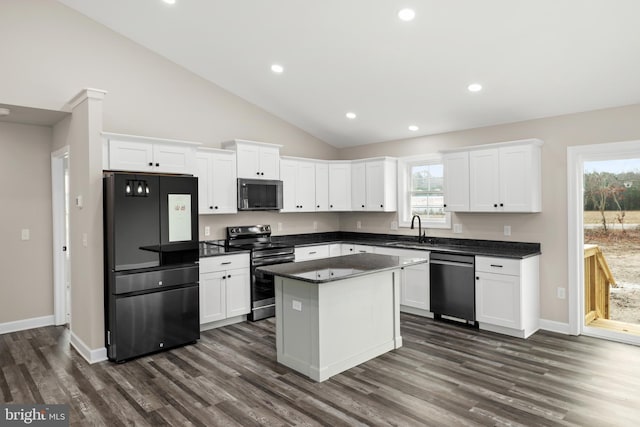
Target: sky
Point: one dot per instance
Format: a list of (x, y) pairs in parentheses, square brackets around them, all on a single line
[(613, 166)]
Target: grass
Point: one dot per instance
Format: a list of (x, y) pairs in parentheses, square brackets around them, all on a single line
[(594, 217)]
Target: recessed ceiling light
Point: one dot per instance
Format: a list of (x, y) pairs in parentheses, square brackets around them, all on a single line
[(4, 111), (277, 68), (474, 87), (350, 115), (407, 14), (169, 1), (413, 128)]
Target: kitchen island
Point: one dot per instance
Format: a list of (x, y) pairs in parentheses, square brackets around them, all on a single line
[(333, 314)]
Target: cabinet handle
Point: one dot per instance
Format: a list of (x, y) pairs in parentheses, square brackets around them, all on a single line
[(318, 206), (257, 173), (477, 278), (225, 263), (501, 204), (312, 253), (381, 206), (300, 206), (157, 164), (150, 163), (215, 207), (363, 206), (445, 205), (496, 265), (261, 173), (495, 205), (228, 276), (210, 207), (330, 206)]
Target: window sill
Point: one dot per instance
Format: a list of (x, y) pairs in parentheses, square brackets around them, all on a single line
[(426, 225)]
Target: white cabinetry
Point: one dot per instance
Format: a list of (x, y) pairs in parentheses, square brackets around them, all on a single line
[(374, 185), (144, 154), (456, 181), (306, 253), (257, 160), (414, 286), (217, 190), (224, 288), (507, 295), (322, 186), (349, 249), (340, 186), (503, 177), (299, 185)]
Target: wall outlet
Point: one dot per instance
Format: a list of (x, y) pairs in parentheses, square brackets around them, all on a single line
[(358, 225), (507, 230), (561, 292), (315, 225), (85, 240), (296, 305), (207, 231), (279, 226), (457, 228), (394, 225), (25, 234)]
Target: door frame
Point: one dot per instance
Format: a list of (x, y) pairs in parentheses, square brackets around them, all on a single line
[(576, 157), (58, 216)]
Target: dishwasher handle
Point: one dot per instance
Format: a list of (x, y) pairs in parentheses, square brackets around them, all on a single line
[(453, 263)]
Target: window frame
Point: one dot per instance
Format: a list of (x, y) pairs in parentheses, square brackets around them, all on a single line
[(404, 208)]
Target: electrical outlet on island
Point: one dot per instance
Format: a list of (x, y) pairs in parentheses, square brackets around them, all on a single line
[(358, 225)]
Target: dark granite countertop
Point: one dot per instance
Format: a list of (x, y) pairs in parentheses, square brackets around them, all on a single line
[(216, 248), (492, 248), (339, 268)]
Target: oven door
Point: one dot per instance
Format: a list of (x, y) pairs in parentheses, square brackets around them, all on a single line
[(263, 297)]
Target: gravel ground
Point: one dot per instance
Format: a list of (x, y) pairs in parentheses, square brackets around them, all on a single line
[(622, 251)]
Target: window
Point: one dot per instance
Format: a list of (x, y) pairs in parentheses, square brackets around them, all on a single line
[(421, 190)]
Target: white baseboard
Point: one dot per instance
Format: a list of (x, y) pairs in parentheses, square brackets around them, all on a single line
[(90, 355), (22, 325), (553, 326)]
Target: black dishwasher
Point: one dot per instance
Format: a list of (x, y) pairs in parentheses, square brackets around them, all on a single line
[(452, 286)]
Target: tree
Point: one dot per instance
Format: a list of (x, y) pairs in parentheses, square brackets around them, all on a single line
[(602, 189)]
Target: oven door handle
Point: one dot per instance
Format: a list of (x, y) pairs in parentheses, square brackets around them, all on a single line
[(260, 262)]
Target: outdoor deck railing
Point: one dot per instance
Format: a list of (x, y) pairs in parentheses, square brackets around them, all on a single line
[(597, 281)]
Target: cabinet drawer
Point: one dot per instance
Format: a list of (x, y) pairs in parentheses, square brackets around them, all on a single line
[(498, 265), (225, 262), (312, 252)]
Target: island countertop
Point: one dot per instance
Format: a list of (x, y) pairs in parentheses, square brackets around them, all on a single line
[(340, 267)]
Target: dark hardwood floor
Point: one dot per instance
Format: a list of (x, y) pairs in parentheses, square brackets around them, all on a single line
[(445, 375)]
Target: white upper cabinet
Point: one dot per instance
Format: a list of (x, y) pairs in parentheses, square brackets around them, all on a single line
[(322, 187), (144, 154), (299, 185), (374, 185), (217, 189), (456, 181), (504, 177), (340, 186), (257, 160)]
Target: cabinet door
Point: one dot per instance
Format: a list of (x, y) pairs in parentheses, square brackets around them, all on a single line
[(375, 185), (248, 161), (414, 289), (498, 300), (130, 156), (358, 187), (322, 187), (456, 181), (212, 297), (269, 163), (224, 184), (205, 181), (518, 175), (173, 158), (288, 174), (340, 187), (346, 249), (484, 180), (237, 292), (306, 187)]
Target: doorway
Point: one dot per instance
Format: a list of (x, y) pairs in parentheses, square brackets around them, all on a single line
[(604, 280), (61, 250)]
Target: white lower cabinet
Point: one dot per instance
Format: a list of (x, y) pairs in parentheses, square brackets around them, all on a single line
[(224, 287), (414, 285), (349, 249), (507, 295), (306, 253)]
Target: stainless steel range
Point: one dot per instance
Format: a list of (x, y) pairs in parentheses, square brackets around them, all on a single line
[(257, 239)]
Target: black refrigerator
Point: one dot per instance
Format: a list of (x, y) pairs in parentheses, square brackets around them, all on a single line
[(151, 263)]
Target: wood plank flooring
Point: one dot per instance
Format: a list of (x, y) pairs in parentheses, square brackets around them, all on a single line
[(445, 375)]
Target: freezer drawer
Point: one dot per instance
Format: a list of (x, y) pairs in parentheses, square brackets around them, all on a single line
[(153, 321), (156, 279)]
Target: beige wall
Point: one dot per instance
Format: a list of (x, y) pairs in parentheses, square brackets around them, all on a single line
[(549, 227), (26, 287)]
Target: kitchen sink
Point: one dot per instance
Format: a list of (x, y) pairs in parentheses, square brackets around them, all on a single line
[(410, 245)]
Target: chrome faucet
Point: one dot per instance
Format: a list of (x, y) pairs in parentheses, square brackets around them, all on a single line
[(421, 235)]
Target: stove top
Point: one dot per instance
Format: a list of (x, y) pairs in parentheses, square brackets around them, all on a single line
[(256, 238)]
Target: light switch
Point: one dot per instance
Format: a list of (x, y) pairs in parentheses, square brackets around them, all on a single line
[(207, 230), (507, 230), (457, 228), (26, 234), (296, 305), (79, 202), (85, 240)]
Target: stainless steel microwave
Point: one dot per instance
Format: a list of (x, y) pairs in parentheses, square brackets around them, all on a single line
[(259, 194)]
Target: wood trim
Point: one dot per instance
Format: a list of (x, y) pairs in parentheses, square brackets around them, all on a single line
[(24, 324)]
